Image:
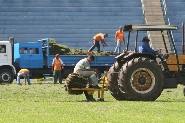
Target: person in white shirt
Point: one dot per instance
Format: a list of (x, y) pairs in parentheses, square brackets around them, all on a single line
[(83, 68)]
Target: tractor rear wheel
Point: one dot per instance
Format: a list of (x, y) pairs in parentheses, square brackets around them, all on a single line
[(141, 79), (113, 82)]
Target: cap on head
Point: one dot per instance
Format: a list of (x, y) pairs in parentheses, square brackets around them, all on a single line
[(56, 55), (120, 27), (91, 57), (146, 39)]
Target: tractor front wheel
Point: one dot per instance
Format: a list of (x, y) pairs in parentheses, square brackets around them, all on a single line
[(113, 82)]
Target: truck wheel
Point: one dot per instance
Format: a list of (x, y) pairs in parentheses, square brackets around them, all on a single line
[(141, 79), (6, 76), (113, 82)]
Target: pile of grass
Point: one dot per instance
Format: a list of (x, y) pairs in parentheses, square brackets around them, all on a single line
[(65, 50)]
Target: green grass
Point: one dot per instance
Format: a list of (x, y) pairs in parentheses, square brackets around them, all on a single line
[(48, 103)]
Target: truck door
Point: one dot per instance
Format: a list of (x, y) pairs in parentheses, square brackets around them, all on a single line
[(24, 57), (35, 58), (30, 56), (3, 54)]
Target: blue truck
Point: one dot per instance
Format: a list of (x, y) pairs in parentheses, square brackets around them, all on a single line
[(36, 57)]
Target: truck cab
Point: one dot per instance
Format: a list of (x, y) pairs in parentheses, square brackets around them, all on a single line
[(28, 55), (7, 70), (6, 54)]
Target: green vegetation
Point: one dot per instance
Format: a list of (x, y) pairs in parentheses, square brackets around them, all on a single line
[(65, 50), (48, 103), (55, 48)]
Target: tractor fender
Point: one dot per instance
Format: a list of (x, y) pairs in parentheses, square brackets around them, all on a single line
[(123, 58)]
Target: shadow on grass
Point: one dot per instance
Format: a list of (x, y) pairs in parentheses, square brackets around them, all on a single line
[(92, 101), (5, 84), (175, 100), (50, 89)]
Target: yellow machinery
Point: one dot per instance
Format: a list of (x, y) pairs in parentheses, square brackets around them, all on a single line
[(172, 62), (90, 91)]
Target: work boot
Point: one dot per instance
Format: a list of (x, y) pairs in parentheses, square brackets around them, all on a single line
[(90, 98)]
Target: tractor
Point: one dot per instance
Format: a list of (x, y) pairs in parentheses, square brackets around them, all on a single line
[(143, 76)]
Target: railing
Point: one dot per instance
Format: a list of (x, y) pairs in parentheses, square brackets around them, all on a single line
[(165, 12), (167, 20), (143, 12)]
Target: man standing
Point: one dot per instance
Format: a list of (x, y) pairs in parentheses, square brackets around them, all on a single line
[(25, 74), (83, 68), (57, 67), (145, 48), (98, 38), (119, 38)]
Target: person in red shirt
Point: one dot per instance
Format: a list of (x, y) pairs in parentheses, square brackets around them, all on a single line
[(98, 38), (119, 38), (57, 67)]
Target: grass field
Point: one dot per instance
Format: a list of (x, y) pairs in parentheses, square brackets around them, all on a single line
[(48, 103)]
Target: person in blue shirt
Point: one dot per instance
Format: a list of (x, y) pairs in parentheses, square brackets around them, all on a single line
[(145, 48)]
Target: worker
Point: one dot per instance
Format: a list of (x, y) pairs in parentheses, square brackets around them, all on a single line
[(2, 50), (98, 38), (119, 38), (83, 68), (145, 48), (57, 67), (23, 73)]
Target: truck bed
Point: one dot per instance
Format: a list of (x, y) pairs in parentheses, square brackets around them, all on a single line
[(71, 60)]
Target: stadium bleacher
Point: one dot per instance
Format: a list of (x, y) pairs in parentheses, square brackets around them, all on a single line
[(70, 22), (176, 15)]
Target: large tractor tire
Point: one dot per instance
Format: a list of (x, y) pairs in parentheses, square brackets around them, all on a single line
[(6, 76), (141, 79), (113, 82)]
